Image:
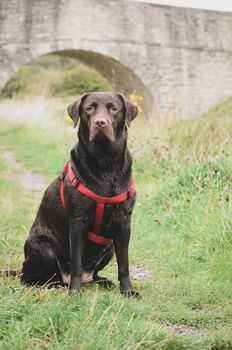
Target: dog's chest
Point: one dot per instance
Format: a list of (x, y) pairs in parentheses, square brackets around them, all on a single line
[(112, 177), (115, 214), (112, 185)]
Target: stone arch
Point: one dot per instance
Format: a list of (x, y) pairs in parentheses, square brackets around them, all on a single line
[(121, 78)]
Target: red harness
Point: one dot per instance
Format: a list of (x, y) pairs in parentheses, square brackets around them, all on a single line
[(100, 201)]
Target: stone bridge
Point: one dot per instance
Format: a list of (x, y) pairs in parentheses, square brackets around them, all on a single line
[(179, 60)]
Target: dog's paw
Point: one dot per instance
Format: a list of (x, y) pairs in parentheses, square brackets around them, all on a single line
[(131, 293), (75, 292), (103, 282), (75, 287)]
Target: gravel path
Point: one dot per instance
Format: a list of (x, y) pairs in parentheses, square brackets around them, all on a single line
[(29, 180)]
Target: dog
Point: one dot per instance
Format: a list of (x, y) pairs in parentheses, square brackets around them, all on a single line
[(74, 235)]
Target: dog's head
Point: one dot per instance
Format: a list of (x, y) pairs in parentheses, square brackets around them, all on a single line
[(102, 113)]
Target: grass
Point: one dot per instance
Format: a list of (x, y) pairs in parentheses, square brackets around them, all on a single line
[(181, 233)]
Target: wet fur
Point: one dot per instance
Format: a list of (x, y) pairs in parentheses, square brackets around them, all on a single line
[(54, 241)]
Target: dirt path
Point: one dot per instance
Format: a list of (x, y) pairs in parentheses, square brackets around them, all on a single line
[(139, 273), (187, 330), (29, 180)]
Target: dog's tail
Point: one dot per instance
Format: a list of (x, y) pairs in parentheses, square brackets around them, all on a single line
[(10, 273)]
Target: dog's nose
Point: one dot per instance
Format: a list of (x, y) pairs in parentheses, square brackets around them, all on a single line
[(100, 122)]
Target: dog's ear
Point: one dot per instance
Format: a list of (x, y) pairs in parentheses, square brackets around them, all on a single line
[(74, 109), (131, 110)]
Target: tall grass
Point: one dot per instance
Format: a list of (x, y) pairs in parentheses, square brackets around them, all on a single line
[(181, 233)]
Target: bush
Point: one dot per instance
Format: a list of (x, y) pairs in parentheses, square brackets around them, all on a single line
[(54, 76), (79, 80)]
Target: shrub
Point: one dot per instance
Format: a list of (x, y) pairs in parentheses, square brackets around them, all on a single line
[(54, 76), (79, 80)]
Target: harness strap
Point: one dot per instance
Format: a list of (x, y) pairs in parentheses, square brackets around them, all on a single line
[(100, 202), (62, 186), (62, 194), (98, 217), (98, 239), (100, 199)]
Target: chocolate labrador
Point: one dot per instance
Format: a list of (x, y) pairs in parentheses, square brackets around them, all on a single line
[(85, 214)]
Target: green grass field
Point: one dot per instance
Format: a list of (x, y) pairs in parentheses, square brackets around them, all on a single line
[(182, 234)]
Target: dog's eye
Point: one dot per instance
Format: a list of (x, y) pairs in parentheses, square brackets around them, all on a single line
[(89, 109), (114, 109)]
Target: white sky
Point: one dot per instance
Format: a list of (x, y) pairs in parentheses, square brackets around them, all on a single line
[(218, 5)]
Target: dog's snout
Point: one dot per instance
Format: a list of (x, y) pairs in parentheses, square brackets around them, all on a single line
[(100, 122)]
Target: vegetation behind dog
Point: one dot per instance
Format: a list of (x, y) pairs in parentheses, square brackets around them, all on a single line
[(54, 76), (181, 233)]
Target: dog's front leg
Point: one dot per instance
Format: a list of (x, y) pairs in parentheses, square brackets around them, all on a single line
[(121, 243), (76, 237)]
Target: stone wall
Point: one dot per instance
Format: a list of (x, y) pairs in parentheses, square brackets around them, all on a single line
[(179, 59)]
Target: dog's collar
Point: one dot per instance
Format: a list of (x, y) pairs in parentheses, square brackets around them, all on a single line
[(100, 201)]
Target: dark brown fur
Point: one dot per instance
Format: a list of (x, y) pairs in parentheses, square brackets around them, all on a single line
[(57, 249)]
